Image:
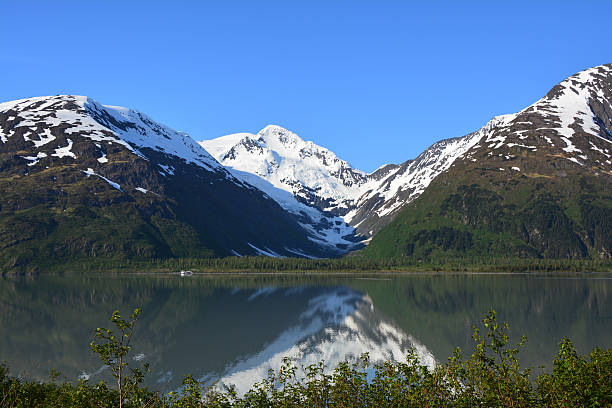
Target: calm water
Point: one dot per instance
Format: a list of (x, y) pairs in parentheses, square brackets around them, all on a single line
[(236, 328)]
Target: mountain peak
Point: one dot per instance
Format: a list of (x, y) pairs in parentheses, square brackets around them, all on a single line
[(272, 128), (285, 159), (535, 184), (165, 194), (100, 123), (279, 138)]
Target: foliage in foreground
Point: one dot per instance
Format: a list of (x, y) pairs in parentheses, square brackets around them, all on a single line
[(490, 377)]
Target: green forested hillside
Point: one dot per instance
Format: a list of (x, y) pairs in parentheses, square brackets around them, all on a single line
[(70, 193), (474, 211), (538, 184)]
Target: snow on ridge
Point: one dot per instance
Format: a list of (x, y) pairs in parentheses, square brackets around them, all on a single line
[(323, 229), (566, 110), (571, 102), (291, 164), (218, 147), (416, 176), (144, 132), (104, 123), (4, 106), (381, 167), (281, 139), (288, 162)]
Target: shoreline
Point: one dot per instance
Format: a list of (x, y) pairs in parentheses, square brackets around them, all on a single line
[(358, 275)]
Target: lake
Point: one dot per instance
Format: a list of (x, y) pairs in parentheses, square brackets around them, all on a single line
[(235, 328)]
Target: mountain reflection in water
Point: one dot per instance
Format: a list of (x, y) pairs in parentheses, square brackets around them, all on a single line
[(236, 328), (338, 324)]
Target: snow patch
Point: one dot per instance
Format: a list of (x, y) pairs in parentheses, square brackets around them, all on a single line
[(45, 138), (569, 146), (300, 253), (265, 253), (521, 145), (167, 169), (34, 159), (64, 151), (90, 172), (597, 149)]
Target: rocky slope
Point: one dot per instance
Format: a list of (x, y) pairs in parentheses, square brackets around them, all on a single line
[(277, 159), (83, 180), (80, 179), (307, 180), (315, 175), (537, 183), (386, 195)]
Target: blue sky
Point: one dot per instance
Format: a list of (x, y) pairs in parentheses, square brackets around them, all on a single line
[(376, 82)]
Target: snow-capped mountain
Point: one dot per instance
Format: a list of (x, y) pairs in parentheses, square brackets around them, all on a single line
[(37, 120), (317, 178), (367, 202), (313, 174), (573, 121), (377, 206), (305, 179), (535, 184), (82, 178)]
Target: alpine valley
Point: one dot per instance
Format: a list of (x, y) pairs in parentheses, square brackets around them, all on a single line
[(81, 180)]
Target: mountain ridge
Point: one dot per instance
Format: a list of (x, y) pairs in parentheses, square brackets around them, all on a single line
[(538, 185), (364, 201), (84, 180)]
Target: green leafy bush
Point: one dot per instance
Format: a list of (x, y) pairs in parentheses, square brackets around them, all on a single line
[(490, 377)]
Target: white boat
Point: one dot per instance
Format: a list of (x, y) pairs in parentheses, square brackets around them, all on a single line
[(186, 273)]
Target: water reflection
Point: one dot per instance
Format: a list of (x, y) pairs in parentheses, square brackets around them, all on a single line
[(337, 324), (235, 329)]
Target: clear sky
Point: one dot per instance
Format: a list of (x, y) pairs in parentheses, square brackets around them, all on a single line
[(376, 82)]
